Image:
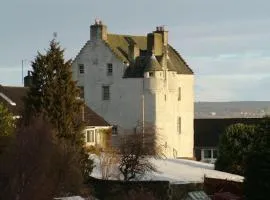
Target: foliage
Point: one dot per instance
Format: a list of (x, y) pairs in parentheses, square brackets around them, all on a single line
[(7, 123), (38, 166), (7, 126), (136, 150), (54, 96), (234, 146), (257, 173)]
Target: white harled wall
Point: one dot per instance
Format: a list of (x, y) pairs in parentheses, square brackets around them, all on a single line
[(124, 109)]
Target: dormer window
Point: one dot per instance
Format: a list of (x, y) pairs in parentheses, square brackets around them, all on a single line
[(81, 68), (109, 69)]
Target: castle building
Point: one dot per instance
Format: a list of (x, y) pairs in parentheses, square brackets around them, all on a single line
[(131, 79)]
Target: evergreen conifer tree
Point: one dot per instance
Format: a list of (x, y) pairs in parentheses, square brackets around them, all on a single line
[(54, 94), (257, 173)]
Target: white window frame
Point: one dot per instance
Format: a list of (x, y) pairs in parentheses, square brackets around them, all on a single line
[(210, 159), (90, 136)]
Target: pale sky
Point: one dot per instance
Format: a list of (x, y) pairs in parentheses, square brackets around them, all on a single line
[(226, 43)]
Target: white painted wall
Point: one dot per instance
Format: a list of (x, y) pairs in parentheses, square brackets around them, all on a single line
[(125, 106)]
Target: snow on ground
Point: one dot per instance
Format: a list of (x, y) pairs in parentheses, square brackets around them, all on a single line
[(187, 171), (181, 171)]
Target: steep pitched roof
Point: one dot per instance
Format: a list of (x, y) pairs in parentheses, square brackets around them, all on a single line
[(208, 131), (12, 97), (93, 119), (119, 45)]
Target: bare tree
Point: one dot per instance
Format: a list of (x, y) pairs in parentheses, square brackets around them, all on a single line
[(108, 160), (136, 150)]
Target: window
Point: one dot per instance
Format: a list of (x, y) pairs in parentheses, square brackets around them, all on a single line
[(151, 73), (90, 136), (81, 92), (109, 69), (105, 92), (179, 94), (114, 130), (207, 153), (179, 125), (81, 69)]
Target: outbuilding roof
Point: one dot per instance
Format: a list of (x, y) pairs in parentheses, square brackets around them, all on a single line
[(12, 98), (208, 131)]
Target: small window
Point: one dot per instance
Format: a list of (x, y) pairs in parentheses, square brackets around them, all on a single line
[(81, 69), (90, 136), (114, 130), (179, 125), (207, 153), (81, 92), (105, 92), (179, 94), (151, 74), (109, 69)]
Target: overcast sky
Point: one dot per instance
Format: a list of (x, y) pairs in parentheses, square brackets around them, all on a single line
[(226, 43)]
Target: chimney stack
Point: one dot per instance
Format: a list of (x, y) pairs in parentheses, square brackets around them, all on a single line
[(98, 31), (133, 51), (28, 80), (157, 41)]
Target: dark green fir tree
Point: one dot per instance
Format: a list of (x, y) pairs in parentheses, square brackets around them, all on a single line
[(257, 173), (54, 95)]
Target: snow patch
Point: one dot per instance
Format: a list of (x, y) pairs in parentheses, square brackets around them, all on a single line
[(180, 171)]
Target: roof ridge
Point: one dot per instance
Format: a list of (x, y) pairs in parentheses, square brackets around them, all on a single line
[(127, 35)]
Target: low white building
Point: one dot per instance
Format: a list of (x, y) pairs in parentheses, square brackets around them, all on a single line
[(133, 79)]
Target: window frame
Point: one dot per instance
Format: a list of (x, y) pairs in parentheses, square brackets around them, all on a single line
[(109, 69), (90, 136), (81, 68), (114, 130), (106, 93)]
